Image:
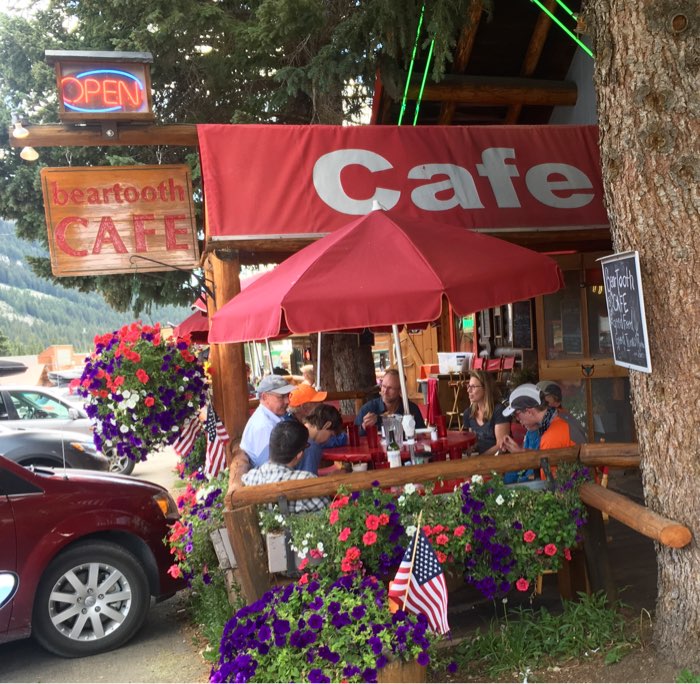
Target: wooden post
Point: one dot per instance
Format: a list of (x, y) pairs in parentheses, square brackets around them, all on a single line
[(230, 379), (445, 329), (247, 544)]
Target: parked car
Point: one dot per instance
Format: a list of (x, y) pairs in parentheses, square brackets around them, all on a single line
[(44, 407), (51, 448), (82, 555)]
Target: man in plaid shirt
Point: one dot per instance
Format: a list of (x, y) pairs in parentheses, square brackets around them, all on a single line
[(287, 443)]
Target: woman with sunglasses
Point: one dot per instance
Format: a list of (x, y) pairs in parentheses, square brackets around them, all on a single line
[(484, 415)]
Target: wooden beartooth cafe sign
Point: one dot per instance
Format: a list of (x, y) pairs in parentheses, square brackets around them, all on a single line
[(119, 219)]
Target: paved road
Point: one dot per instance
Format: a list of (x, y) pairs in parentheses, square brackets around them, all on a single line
[(163, 651)]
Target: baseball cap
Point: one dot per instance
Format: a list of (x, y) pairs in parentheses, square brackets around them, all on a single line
[(274, 383), (549, 387), (303, 394), (523, 397)]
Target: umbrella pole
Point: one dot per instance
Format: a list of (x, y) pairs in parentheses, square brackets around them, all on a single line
[(399, 364), (318, 363), (269, 354)]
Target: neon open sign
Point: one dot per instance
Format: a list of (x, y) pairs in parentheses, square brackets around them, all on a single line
[(103, 90), (108, 86)]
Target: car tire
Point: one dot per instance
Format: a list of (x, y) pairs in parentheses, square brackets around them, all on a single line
[(72, 618), (120, 465)]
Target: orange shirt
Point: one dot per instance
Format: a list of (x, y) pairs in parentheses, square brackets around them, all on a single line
[(557, 435)]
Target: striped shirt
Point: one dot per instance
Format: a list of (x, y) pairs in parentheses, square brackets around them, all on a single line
[(270, 472)]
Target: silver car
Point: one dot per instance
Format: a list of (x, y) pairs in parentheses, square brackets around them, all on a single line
[(43, 407)]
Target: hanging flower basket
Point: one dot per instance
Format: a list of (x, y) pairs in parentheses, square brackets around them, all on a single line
[(141, 389)]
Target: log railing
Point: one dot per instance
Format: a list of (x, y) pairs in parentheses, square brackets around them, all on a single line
[(244, 532)]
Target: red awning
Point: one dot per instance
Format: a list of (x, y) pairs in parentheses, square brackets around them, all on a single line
[(269, 180)]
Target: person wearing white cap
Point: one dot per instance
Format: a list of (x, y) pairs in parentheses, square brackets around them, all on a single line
[(553, 396), (545, 429), (273, 393)]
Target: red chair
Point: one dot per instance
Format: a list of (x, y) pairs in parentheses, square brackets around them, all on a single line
[(494, 365), (478, 363), (507, 367)]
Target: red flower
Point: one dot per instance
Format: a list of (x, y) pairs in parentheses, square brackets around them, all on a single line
[(428, 530), (119, 381), (442, 539), (368, 538), (304, 579), (303, 563), (353, 553), (174, 571), (529, 536), (383, 519), (459, 531), (142, 375), (442, 557), (344, 534), (372, 522), (550, 549), (468, 548), (149, 401), (522, 584), (333, 517), (339, 503), (567, 554)]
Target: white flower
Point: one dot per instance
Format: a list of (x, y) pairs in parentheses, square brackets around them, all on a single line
[(411, 530), (500, 500), (175, 428), (401, 500), (319, 546), (279, 518), (409, 488), (126, 394), (123, 429), (477, 479)]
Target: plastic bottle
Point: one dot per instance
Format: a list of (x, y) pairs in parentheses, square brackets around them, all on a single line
[(393, 453)]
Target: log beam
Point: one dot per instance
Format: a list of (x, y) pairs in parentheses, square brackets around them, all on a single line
[(639, 518), (182, 135), (496, 91)]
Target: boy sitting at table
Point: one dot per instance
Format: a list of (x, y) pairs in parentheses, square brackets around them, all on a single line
[(287, 443)]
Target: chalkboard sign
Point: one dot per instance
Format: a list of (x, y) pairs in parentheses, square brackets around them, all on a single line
[(625, 300), (522, 325)]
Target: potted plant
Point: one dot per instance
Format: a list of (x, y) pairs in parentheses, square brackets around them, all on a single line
[(322, 631), (140, 389)]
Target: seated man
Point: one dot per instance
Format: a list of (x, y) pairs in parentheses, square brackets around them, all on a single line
[(389, 401), (545, 429), (325, 426), (287, 442), (273, 393), (553, 396)]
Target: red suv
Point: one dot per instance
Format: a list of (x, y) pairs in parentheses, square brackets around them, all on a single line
[(82, 554)]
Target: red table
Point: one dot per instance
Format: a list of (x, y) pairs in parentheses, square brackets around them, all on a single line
[(444, 449)]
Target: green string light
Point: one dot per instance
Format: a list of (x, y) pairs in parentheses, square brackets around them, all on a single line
[(410, 67), (567, 9), (425, 78), (575, 38)]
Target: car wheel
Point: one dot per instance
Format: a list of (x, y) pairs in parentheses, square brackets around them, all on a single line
[(92, 598), (121, 465)]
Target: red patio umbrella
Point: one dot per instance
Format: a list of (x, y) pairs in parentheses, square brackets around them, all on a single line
[(379, 270)]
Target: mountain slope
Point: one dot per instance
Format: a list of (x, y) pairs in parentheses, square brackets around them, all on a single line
[(35, 313)]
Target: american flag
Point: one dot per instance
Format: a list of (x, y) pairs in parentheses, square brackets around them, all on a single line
[(423, 586), (217, 438), (188, 436)]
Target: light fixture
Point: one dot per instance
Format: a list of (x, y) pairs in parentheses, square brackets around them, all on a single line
[(19, 131), (29, 154)]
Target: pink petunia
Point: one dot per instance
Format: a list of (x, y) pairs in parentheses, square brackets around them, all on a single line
[(383, 519), (142, 375), (372, 522), (442, 539), (149, 401), (459, 531), (333, 517), (567, 554), (522, 584), (344, 534), (369, 538), (442, 557), (529, 536), (550, 549), (174, 571)]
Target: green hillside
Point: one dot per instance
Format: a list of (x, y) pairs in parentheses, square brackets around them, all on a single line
[(35, 313)]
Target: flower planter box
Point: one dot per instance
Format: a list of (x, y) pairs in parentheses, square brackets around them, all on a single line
[(222, 546), (400, 671)]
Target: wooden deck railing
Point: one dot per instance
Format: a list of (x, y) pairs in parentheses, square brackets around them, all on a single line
[(246, 540)]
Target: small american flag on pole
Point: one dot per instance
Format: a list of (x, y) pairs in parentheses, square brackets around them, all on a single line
[(217, 438), (188, 436), (420, 584)]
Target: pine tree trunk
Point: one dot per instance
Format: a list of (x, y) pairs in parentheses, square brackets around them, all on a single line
[(646, 74)]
